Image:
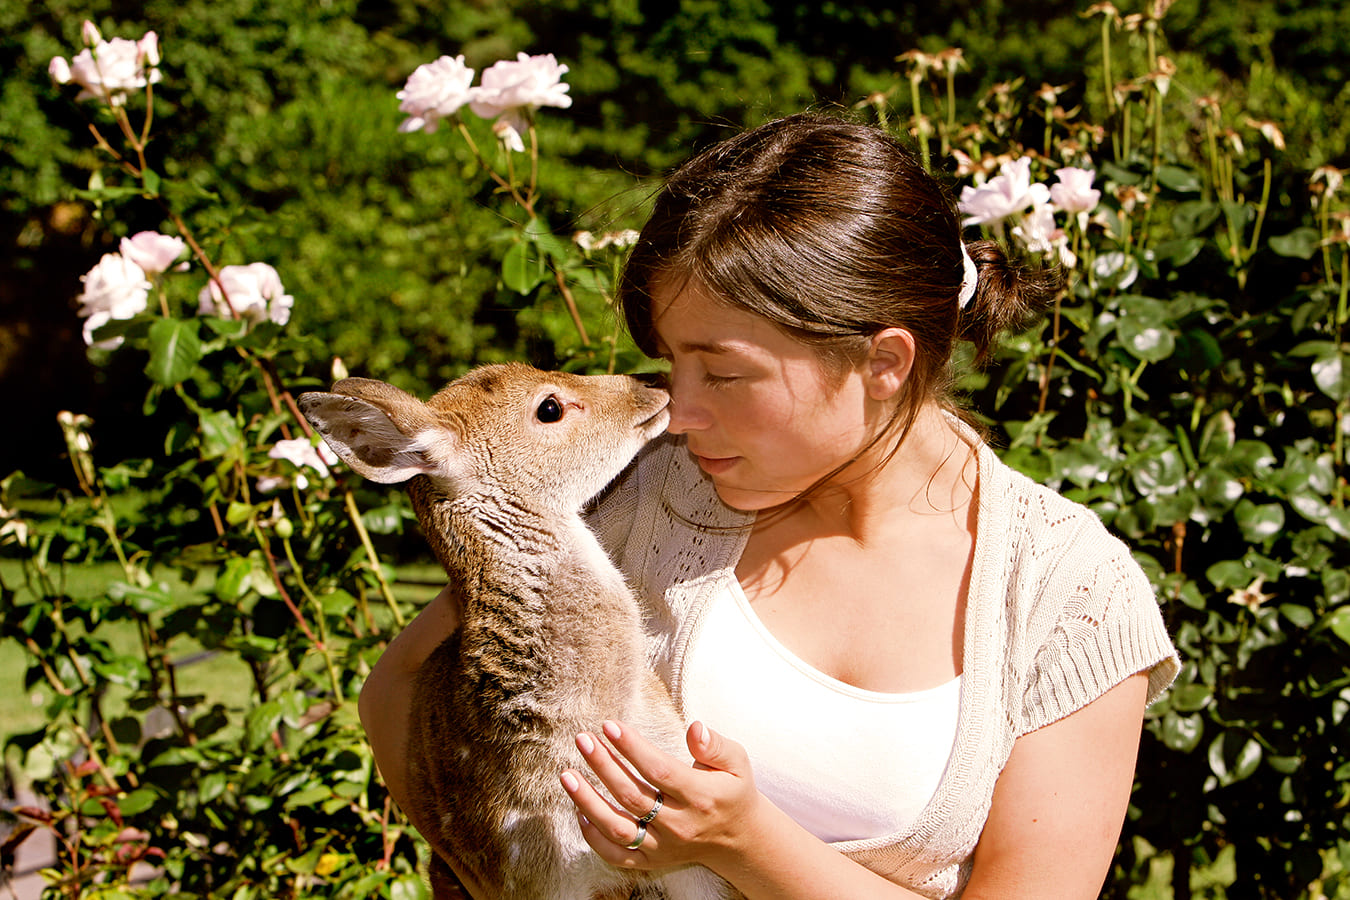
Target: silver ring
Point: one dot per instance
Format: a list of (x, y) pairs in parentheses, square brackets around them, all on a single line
[(660, 801), (641, 836)]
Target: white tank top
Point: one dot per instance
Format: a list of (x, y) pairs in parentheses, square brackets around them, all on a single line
[(845, 763)]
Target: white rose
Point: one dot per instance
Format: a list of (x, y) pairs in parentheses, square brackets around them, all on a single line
[(152, 251), (1007, 193), (527, 83), (301, 453), (433, 92), (112, 68), (254, 291), (116, 288), (1075, 193)]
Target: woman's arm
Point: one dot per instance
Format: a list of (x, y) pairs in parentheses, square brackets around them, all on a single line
[(387, 693), (386, 698), (1051, 832)]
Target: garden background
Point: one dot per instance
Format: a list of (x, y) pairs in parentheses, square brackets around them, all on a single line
[(181, 654)]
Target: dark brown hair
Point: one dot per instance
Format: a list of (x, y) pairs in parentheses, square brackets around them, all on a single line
[(833, 231)]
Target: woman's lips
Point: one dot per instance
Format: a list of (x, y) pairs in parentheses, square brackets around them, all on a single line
[(715, 465)]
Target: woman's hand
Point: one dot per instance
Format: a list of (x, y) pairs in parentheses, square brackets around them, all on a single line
[(705, 810)]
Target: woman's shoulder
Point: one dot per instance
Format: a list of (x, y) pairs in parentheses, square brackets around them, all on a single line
[(1042, 524)]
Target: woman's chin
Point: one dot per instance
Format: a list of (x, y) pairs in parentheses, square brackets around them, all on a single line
[(749, 500)]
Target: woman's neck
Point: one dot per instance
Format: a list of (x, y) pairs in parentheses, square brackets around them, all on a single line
[(931, 474)]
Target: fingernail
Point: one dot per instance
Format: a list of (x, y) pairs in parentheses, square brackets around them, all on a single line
[(586, 744), (612, 731), (700, 733), (570, 783)]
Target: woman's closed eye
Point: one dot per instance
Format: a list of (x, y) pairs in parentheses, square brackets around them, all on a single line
[(711, 379)]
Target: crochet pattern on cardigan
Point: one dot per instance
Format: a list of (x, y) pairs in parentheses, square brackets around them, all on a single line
[(1058, 612)]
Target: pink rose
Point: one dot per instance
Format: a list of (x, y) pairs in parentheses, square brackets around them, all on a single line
[(115, 288), (1075, 193), (255, 294), (433, 92), (155, 253)]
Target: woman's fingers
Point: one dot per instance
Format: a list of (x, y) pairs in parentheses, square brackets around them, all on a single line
[(629, 789), (610, 832)]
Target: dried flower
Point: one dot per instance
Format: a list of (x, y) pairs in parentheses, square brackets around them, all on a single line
[(1251, 596), (1269, 130)]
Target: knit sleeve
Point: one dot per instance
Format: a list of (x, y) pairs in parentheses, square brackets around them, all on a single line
[(611, 514), (1104, 625)]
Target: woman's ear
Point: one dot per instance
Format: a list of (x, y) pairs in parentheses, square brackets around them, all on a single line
[(890, 359)]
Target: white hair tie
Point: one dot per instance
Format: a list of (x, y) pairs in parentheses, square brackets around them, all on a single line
[(969, 278)]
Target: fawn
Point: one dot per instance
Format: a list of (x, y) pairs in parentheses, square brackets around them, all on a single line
[(500, 464)]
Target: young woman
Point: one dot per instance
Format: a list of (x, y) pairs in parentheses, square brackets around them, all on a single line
[(909, 671)]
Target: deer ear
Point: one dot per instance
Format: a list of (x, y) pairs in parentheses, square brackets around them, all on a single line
[(367, 437)]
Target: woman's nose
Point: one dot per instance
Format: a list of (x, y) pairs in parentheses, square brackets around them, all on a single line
[(684, 415)]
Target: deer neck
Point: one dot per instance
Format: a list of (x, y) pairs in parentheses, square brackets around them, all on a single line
[(495, 542)]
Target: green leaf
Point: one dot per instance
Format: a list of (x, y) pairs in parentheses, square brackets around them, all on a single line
[(1259, 521), (1146, 340), (1229, 574), (1233, 759), (175, 350), (1301, 243), (261, 721), (220, 434), (1298, 616), (1338, 620), (1180, 251), (1194, 217), (142, 599), (1175, 178), (138, 801), (151, 181), (522, 270), (1182, 733), (1331, 377)]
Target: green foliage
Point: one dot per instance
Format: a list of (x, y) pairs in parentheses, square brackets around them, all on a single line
[(1190, 385)]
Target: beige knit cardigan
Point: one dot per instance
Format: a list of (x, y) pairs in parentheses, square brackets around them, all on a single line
[(1057, 613)]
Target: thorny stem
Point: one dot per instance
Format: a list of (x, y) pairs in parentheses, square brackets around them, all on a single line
[(150, 640), (322, 643), (571, 306), (502, 183), (281, 587), (354, 514)]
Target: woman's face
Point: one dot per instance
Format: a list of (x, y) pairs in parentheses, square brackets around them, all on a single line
[(761, 414)]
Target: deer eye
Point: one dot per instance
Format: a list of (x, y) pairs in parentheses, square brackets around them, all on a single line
[(549, 411)]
